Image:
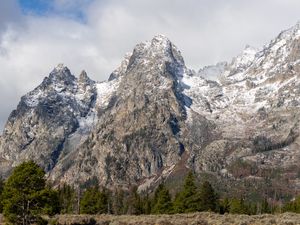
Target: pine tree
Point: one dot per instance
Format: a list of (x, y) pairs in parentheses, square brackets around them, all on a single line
[(147, 204), (265, 208), (118, 202), (25, 196), (187, 200), (109, 196), (163, 203), (67, 199), (292, 206), (94, 202), (51, 202), (297, 204), (208, 197), (134, 202), (1, 190), (224, 206), (237, 206)]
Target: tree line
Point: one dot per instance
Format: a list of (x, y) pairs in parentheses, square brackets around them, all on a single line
[(25, 196)]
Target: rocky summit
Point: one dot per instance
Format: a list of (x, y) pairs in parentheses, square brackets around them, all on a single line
[(155, 119)]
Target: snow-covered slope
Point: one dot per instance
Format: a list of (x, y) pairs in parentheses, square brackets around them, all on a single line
[(255, 104)]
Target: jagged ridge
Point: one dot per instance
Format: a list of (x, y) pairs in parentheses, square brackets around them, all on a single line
[(155, 119)]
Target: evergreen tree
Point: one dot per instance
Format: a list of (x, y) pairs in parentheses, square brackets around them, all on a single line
[(134, 202), (109, 196), (147, 204), (163, 203), (208, 197), (156, 194), (297, 204), (118, 202), (237, 206), (251, 208), (67, 199), (1, 190), (292, 206), (188, 199), (51, 200), (25, 196), (224, 206), (94, 202), (265, 208)]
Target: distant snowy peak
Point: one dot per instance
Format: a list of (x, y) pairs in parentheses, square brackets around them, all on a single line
[(291, 33), (246, 58), (212, 72), (266, 77), (241, 62), (258, 65), (281, 54), (281, 50), (282, 45)]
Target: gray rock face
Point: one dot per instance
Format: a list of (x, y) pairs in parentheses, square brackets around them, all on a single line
[(138, 134), (45, 117), (155, 119)]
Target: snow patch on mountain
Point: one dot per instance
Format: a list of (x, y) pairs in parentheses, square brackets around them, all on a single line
[(105, 91)]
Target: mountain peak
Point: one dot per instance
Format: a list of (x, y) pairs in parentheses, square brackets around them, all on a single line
[(61, 73), (84, 78), (286, 36), (161, 40), (160, 37), (249, 48), (59, 67), (160, 43), (244, 59), (159, 49), (83, 75), (293, 31)]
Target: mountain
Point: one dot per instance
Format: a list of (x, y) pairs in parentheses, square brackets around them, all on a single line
[(155, 119), (45, 117)]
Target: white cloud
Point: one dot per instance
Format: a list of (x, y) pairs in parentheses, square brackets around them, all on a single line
[(9, 14), (206, 32)]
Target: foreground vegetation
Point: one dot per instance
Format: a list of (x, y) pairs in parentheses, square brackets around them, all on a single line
[(25, 196), (202, 218)]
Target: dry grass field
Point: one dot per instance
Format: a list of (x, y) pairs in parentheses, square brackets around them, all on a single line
[(179, 219)]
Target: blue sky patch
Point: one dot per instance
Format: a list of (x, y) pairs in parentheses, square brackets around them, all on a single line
[(39, 7), (47, 7)]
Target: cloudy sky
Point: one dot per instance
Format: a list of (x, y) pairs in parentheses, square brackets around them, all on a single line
[(36, 35)]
